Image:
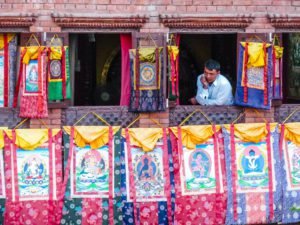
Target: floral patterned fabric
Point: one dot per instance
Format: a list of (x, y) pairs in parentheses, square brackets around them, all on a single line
[(198, 200), (86, 209), (33, 183)]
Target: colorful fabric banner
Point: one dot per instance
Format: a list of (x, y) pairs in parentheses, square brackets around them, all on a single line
[(146, 66), (2, 180), (253, 171), (255, 70), (33, 178), (290, 153), (8, 59), (199, 181), (59, 86), (148, 188), (277, 53), (173, 70), (32, 78), (92, 179)]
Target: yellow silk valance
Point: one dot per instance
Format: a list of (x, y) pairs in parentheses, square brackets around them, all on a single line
[(2, 129), (173, 50), (29, 139), (292, 132), (95, 136), (31, 53), (145, 138), (256, 54), (251, 132), (9, 38), (193, 135), (278, 51), (147, 54)]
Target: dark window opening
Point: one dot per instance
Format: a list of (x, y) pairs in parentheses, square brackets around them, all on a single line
[(291, 67), (97, 69), (195, 49)]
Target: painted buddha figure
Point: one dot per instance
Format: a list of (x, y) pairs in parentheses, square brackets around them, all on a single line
[(146, 171), (200, 165), (253, 162)]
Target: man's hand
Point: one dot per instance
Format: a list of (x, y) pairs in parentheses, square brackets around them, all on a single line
[(193, 101), (204, 82)]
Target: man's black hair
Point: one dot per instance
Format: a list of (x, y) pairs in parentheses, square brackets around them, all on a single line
[(212, 65)]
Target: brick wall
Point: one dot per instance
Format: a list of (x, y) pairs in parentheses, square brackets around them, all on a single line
[(152, 8)]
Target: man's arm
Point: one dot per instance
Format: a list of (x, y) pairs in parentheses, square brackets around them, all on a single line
[(202, 93), (223, 96)]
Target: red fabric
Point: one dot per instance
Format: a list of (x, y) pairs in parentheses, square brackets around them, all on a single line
[(6, 71), (91, 211), (157, 66), (216, 155), (270, 163), (126, 44), (266, 92), (196, 209), (19, 81), (34, 212), (167, 176), (148, 213), (274, 71), (63, 71), (246, 73), (255, 213), (35, 106), (233, 170), (110, 192), (177, 69), (131, 181)]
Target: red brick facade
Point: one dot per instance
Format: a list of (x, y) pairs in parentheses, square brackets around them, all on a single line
[(255, 16)]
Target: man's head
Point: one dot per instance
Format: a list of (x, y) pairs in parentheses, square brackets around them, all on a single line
[(211, 70)]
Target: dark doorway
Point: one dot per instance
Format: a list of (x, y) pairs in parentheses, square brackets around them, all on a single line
[(97, 69), (195, 49)]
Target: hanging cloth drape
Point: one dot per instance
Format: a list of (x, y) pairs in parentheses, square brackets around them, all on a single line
[(34, 183), (255, 69), (277, 54), (253, 173), (290, 155), (32, 81), (59, 86), (198, 159), (2, 174), (148, 189), (146, 66), (126, 44), (92, 180), (7, 64)]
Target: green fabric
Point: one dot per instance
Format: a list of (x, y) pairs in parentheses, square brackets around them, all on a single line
[(55, 88)]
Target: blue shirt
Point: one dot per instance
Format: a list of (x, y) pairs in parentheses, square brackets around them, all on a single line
[(218, 93)]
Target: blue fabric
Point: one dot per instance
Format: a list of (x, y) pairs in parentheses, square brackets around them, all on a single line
[(218, 93), (12, 48), (241, 197), (255, 96)]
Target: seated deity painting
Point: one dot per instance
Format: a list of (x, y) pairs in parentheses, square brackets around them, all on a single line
[(33, 173), (252, 166), (91, 171), (148, 169), (292, 157), (198, 170)]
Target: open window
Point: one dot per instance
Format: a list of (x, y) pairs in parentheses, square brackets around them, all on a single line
[(194, 50), (97, 69)]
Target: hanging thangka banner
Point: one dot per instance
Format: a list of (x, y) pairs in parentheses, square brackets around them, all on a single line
[(59, 86), (8, 59), (255, 69), (198, 156), (32, 81), (277, 54), (33, 165), (92, 175), (290, 146), (148, 189), (253, 171), (146, 72), (2, 180)]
